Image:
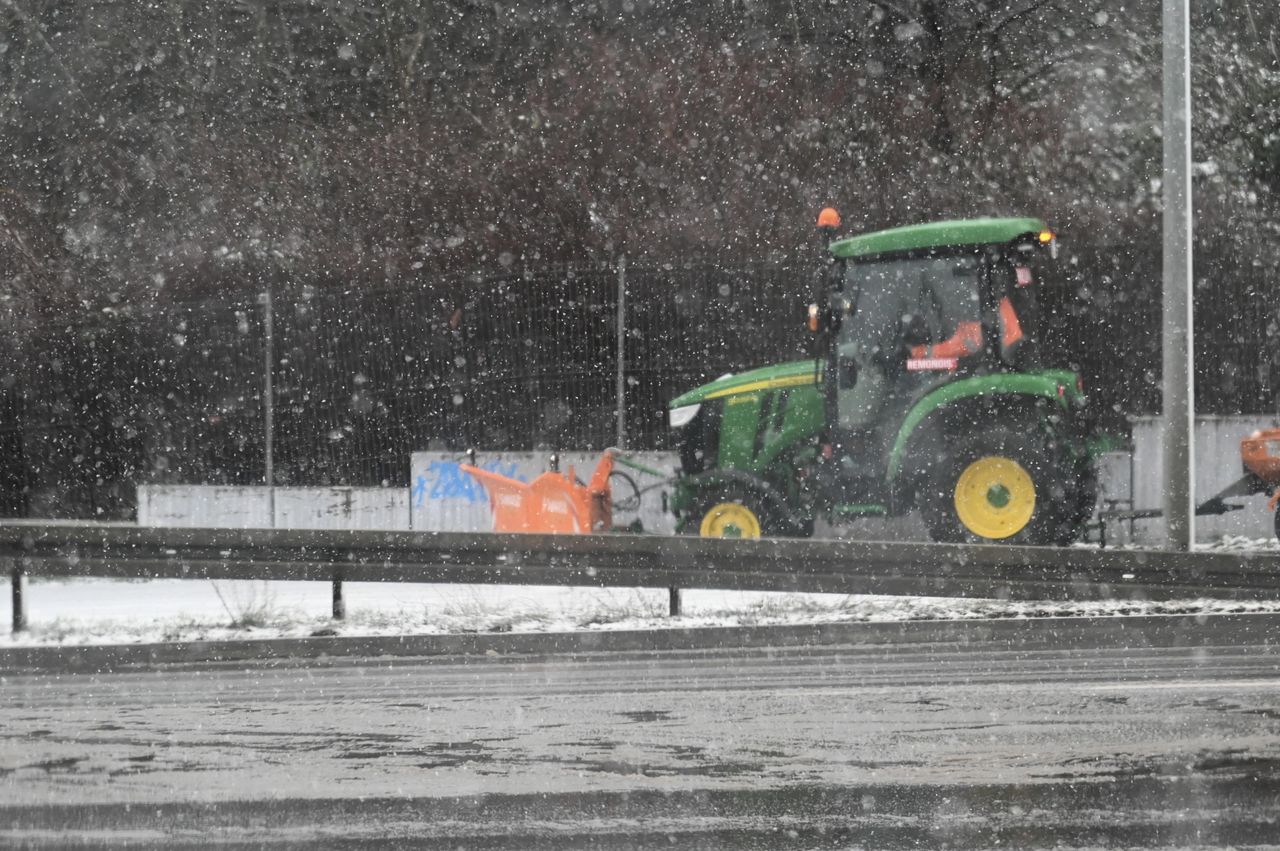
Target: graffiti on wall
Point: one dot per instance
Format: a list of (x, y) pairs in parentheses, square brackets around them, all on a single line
[(446, 480)]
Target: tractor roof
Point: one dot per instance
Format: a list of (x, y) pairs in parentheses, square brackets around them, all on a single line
[(936, 235)]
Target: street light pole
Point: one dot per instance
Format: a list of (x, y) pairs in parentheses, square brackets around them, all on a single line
[(1177, 340)]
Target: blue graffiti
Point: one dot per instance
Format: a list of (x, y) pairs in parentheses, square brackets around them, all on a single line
[(446, 480)]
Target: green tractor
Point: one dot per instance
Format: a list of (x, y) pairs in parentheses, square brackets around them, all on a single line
[(926, 392)]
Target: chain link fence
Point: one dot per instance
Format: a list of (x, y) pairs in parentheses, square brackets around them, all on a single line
[(94, 404)]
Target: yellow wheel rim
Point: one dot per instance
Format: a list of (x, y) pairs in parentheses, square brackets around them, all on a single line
[(730, 520), (995, 497)]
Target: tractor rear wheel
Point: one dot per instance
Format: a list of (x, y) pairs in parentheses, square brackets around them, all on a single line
[(1276, 512), (1003, 486)]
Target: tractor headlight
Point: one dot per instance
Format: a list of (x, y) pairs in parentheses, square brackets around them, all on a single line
[(684, 415)]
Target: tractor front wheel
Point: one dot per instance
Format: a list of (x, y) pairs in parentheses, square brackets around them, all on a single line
[(740, 513), (1002, 486)]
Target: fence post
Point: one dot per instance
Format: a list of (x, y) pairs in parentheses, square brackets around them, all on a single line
[(18, 580), (621, 334), (674, 608), (268, 400), (339, 603)]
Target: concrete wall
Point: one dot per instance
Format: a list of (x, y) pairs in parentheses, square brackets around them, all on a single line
[(441, 498), (250, 507)]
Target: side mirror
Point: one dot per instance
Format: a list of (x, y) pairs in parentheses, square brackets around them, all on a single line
[(914, 330)]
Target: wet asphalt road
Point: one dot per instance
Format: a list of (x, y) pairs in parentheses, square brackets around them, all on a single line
[(1059, 741)]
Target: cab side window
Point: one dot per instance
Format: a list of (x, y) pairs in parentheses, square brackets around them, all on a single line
[(1017, 314)]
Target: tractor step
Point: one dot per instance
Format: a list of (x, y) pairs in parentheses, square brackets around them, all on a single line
[(859, 509)]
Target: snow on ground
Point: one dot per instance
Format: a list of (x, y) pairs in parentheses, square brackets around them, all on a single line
[(106, 611), (1242, 543)]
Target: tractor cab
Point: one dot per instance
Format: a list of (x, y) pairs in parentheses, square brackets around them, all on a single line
[(914, 308)]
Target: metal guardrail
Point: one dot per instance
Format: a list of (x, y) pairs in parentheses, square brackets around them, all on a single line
[(840, 567)]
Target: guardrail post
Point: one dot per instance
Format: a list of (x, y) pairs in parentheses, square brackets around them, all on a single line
[(18, 580), (674, 608), (339, 603)]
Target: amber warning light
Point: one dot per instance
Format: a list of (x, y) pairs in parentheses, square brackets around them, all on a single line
[(1049, 238), (829, 218)]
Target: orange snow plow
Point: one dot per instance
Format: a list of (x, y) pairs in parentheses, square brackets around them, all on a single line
[(554, 503)]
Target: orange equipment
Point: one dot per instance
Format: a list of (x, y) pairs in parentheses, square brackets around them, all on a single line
[(554, 503), (1260, 453), (1260, 457)]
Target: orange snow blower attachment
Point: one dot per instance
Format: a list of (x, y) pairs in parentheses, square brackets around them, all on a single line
[(554, 503)]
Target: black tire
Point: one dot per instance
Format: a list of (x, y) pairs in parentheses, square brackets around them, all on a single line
[(1005, 486), (1277, 521), (738, 511)]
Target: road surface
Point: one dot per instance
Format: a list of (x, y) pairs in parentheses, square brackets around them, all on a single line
[(1072, 737)]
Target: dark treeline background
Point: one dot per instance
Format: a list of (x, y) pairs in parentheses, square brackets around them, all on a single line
[(156, 154), (147, 145)]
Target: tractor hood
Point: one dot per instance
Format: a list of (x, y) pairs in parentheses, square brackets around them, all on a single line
[(793, 374)]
